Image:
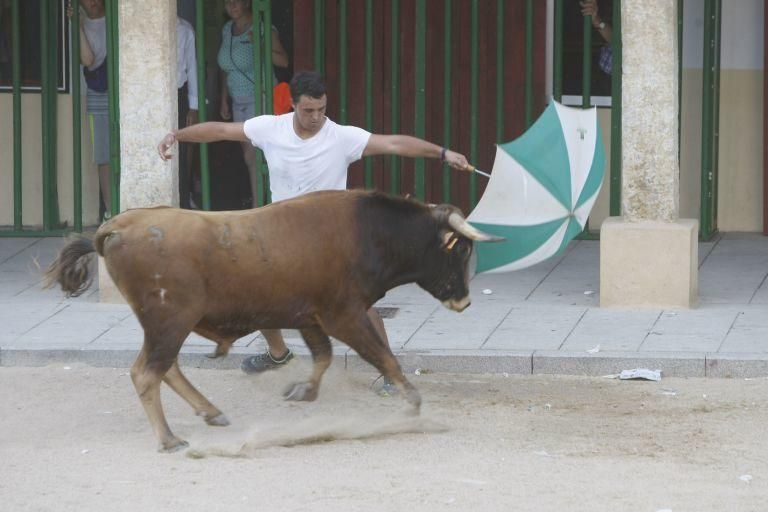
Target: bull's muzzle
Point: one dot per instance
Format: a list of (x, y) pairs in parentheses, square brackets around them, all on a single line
[(457, 305)]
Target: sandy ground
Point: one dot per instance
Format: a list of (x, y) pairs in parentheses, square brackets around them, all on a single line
[(76, 438)]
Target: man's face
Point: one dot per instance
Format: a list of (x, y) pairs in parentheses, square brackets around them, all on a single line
[(93, 8), (310, 112)]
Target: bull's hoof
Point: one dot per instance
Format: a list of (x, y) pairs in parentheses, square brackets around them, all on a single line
[(413, 400), (218, 421), (173, 445), (301, 392)]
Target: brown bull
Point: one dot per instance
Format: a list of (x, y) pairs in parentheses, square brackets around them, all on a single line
[(316, 263)]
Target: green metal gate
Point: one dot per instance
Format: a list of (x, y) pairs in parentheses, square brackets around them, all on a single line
[(50, 14), (421, 102)]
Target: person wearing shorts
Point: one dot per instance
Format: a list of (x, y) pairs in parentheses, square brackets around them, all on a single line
[(93, 53)]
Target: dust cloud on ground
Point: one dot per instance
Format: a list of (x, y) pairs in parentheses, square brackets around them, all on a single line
[(76, 438)]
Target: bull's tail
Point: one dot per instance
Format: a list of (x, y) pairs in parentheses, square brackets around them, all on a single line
[(71, 269)]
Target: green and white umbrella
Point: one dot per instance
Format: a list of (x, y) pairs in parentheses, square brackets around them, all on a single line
[(541, 190)]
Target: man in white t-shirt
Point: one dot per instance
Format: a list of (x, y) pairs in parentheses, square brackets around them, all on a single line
[(305, 152)]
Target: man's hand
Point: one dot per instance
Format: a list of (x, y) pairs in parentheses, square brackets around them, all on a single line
[(590, 8), (165, 146), (457, 161)]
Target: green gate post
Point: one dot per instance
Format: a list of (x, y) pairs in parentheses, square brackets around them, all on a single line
[(266, 8), (77, 149), (394, 184), (202, 104), (557, 78), (17, 140), (586, 63), (710, 118), (258, 32), (319, 49), (343, 62), (447, 93), (420, 73), (474, 82), (113, 98), (615, 178), (48, 96), (369, 86), (499, 71), (528, 63)]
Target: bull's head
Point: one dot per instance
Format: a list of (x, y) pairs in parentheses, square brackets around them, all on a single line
[(447, 272)]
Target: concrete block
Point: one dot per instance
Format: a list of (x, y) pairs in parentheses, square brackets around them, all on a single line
[(649, 264)]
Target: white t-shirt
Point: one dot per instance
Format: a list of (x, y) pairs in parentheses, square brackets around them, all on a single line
[(298, 166), (96, 34)]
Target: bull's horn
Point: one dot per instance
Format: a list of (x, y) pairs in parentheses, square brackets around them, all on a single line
[(458, 223)]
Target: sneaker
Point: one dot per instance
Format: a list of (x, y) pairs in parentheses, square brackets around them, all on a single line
[(263, 362), (384, 387)]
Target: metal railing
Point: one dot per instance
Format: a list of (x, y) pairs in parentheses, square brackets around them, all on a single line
[(50, 13), (394, 54)]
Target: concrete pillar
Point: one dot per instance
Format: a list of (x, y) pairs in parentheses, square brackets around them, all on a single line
[(147, 110), (649, 257)]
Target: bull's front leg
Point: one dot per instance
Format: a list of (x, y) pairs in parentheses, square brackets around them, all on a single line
[(361, 335), (320, 346)]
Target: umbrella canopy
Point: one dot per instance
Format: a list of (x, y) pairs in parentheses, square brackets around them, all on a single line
[(541, 190)]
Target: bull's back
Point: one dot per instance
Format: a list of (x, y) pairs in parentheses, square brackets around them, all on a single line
[(265, 256)]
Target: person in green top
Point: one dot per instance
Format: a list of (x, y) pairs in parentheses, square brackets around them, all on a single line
[(238, 79)]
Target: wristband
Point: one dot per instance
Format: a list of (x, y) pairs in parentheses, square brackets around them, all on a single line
[(442, 154)]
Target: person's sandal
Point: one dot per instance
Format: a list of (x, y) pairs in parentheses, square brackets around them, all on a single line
[(263, 362)]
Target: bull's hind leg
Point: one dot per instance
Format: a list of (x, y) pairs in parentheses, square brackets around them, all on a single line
[(147, 374), (179, 383), (361, 335), (320, 346)]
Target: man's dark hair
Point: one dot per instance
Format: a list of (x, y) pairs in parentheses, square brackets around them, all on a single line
[(307, 83)]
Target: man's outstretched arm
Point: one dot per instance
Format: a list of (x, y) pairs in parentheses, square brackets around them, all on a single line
[(203, 132), (405, 145)]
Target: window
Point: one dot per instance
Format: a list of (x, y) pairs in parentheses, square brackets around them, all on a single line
[(30, 30), (573, 45)]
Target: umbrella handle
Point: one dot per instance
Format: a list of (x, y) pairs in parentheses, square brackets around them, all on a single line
[(472, 168)]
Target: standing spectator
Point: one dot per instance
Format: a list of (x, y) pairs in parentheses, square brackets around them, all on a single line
[(239, 75), (93, 57)]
